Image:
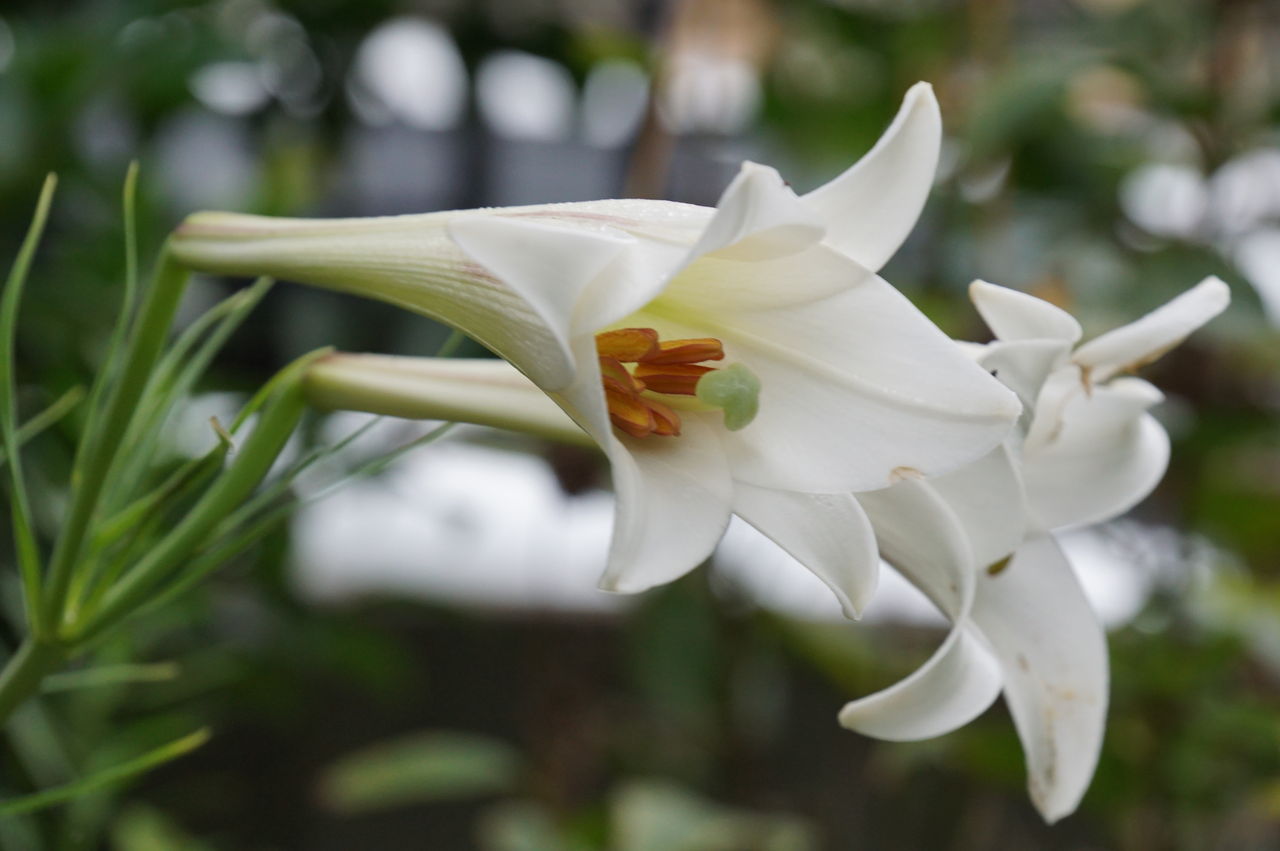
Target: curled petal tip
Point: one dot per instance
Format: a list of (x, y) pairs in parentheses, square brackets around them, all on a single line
[(754, 168), (850, 607), (1218, 288), (978, 287), (845, 718), (921, 89), (873, 205), (618, 584), (1051, 812)]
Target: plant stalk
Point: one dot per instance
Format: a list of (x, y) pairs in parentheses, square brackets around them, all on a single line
[(24, 672)]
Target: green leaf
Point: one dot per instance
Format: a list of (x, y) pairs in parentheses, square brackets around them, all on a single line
[(33, 427), (257, 517), (101, 443), (175, 375), (111, 675), (139, 521), (115, 347), (233, 485), (192, 474), (106, 777), (19, 507), (451, 344), (419, 768)]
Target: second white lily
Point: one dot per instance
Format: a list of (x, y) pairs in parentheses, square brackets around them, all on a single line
[(978, 541)]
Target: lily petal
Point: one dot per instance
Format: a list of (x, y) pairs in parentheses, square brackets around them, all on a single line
[(1014, 315), (1108, 455), (1056, 394), (407, 261), (920, 401), (827, 533), (988, 500), (874, 204), (1053, 652), (1139, 343), (1024, 365), (674, 503), (923, 539), (550, 266), (713, 285), (758, 218), (958, 683)]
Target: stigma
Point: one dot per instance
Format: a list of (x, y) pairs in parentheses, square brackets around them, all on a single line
[(670, 367)]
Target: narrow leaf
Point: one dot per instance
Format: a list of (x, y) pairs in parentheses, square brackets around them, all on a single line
[(233, 485), (175, 375), (33, 427), (431, 766), (111, 675), (99, 447), (128, 301), (242, 529), (20, 510), (106, 777)]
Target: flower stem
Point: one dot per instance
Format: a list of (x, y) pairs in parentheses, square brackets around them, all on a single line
[(24, 672)]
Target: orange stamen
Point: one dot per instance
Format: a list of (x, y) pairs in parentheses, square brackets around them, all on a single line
[(666, 421), (627, 344), (631, 414), (686, 351), (670, 367), (677, 379), (616, 378)]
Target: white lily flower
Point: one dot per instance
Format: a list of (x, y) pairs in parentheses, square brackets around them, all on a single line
[(979, 544), (974, 540), (1091, 450), (617, 309)]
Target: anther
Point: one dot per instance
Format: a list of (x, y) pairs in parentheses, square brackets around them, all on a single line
[(670, 368)]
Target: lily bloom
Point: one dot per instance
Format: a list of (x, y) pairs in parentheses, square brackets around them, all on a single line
[(742, 359), (979, 541)]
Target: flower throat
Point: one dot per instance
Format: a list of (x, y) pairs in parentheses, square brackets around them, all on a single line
[(671, 367)]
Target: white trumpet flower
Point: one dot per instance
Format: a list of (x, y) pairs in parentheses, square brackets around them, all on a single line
[(978, 541), (622, 312)]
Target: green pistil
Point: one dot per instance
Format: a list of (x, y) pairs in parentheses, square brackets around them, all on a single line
[(734, 389)]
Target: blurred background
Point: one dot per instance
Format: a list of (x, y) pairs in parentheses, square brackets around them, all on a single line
[(421, 659)]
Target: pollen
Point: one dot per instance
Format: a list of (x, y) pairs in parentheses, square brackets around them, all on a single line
[(671, 367)]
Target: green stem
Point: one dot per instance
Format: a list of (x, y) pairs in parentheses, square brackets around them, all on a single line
[(98, 449), (24, 672)]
